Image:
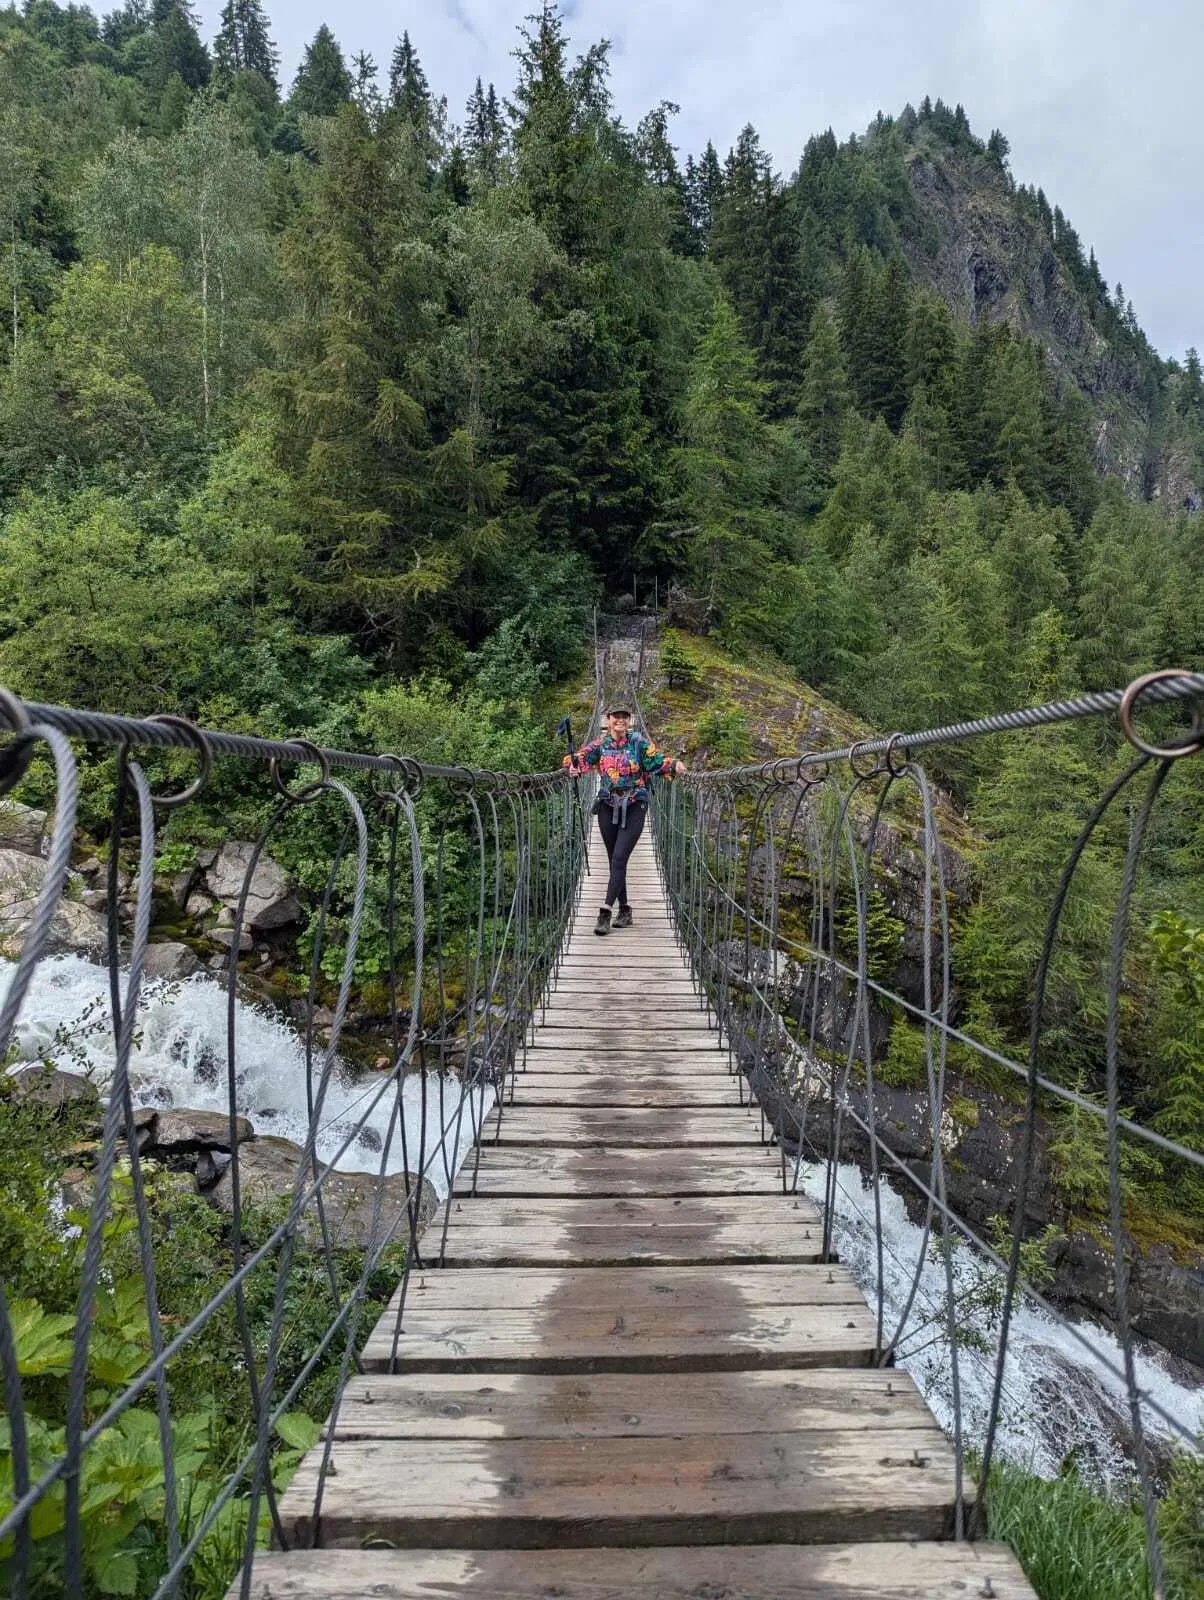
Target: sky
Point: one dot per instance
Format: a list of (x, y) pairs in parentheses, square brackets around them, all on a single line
[(1100, 99)]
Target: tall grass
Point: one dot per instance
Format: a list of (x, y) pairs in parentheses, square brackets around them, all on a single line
[(1075, 1544)]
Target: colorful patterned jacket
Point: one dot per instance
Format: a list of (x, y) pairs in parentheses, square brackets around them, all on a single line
[(624, 765)]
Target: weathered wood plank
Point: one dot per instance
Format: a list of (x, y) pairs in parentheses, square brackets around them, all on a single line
[(878, 1571), (809, 1487), (555, 1051), (458, 1405), (664, 1243), (534, 1170), (633, 1089), (646, 1288), (730, 1337), (787, 1214), (590, 1125)]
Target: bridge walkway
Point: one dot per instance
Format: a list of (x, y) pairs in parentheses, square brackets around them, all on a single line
[(634, 1377)]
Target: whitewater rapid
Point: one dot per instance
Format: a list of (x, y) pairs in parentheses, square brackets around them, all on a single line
[(179, 1059), (1062, 1396)]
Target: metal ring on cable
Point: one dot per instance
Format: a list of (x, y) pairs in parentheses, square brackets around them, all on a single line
[(888, 755), (199, 743), (779, 770), (412, 768), (853, 754), (1190, 746), (806, 774), (15, 757), (311, 790)]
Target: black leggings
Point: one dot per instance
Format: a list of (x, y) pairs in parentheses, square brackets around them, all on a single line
[(620, 842)]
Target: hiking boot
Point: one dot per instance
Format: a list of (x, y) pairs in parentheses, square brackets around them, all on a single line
[(603, 923), (623, 920)]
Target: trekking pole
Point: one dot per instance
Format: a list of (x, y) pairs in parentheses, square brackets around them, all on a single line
[(564, 730)]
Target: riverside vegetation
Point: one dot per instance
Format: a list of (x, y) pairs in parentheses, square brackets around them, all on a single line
[(332, 413)]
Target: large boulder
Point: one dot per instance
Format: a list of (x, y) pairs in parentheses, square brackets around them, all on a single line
[(170, 960), (186, 1132), (47, 1086), (267, 1168), (21, 828), (74, 928), (270, 900)]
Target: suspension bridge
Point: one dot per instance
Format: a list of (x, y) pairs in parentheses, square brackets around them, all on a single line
[(623, 1356)]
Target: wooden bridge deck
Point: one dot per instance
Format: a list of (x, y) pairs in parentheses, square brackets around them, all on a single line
[(634, 1378)]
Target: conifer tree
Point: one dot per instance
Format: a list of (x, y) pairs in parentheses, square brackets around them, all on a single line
[(484, 133), (176, 49), (323, 82), (243, 43), (825, 398), (409, 92)]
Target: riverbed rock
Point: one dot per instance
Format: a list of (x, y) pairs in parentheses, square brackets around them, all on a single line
[(183, 1131), (74, 928), (267, 1168), (271, 902), (226, 936), (21, 827), (170, 960), (50, 1087)]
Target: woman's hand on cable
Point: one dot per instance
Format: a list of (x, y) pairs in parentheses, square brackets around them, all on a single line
[(678, 768)]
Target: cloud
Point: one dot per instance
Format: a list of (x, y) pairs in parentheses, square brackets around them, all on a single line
[(1099, 100)]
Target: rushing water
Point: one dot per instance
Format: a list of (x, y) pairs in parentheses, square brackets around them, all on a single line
[(1060, 1397), (179, 1059)]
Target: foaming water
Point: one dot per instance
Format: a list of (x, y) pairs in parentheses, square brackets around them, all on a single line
[(179, 1059), (1060, 1397)]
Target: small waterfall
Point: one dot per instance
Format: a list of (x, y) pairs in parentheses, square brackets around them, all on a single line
[(179, 1059)]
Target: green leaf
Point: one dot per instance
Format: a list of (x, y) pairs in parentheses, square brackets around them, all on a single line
[(298, 1430), (42, 1348), (116, 1572)]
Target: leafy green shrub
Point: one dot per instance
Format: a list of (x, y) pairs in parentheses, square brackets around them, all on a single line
[(904, 1066), (678, 662), (724, 731)]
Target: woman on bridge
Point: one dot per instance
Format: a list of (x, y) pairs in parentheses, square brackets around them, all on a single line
[(625, 760)]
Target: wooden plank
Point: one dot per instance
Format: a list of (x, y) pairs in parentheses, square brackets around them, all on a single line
[(563, 1056), (590, 1125), (665, 1243), (785, 1213), (643, 1089), (878, 1571), (458, 1405), (664, 1055), (729, 1337), (533, 1170), (646, 1288), (808, 1487)]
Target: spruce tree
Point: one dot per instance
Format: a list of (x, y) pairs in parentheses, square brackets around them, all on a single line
[(243, 43), (176, 48), (484, 133), (409, 92), (825, 398), (323, 82)]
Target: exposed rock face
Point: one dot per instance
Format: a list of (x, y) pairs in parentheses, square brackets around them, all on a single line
[(989, 263), (21, 827), (268, 1167), (270, 901), (74, 927)]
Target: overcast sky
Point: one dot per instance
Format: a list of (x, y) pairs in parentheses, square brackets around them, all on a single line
[(1100, 99)]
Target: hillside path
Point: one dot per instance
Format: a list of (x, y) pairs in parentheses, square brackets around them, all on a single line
[(634, 1376)]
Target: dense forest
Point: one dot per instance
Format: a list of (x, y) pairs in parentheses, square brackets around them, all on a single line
[(330, 413)]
